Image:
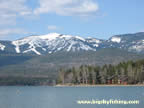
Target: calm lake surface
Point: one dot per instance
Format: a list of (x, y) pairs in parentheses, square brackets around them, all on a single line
[(66, 97)]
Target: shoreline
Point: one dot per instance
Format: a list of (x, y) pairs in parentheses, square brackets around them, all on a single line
[(84, 85), (138, 85)]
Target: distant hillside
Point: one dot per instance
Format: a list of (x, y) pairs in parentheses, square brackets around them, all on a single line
[(18, 69), (100, 57), (48, 65), (12, 59)]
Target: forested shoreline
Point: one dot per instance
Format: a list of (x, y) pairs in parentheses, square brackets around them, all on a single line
[(123, 74)]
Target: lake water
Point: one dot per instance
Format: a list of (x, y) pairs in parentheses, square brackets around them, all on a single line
[(66, 97)]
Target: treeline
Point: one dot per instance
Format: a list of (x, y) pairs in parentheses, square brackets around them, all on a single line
[(25, 81), (124, 73)]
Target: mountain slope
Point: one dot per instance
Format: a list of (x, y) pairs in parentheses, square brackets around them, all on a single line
[(12, 59), (48, 65)]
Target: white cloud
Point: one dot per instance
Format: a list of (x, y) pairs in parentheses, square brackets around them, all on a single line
[(6, 32), (10, 9), (67, 7), (52, 27)]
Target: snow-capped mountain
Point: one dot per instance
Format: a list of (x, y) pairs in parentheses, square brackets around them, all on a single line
[(51, 43), (54, 42), (130, 42)]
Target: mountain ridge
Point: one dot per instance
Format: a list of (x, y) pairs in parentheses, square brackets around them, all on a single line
[(54, 42)]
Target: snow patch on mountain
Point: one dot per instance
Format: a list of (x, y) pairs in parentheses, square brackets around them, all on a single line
[(86, 47), (32, 41), (16, 46), (74, 45), (95, 45), (78, 37), (50, 36), (137, 46), (93, 40), (70, 46), (116, 39), (33, 50), (2, 47), (65, 36)]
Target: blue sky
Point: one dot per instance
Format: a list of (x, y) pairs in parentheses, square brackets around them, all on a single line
[(95, 18)]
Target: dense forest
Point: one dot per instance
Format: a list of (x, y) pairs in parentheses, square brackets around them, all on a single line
[(123, 73)]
